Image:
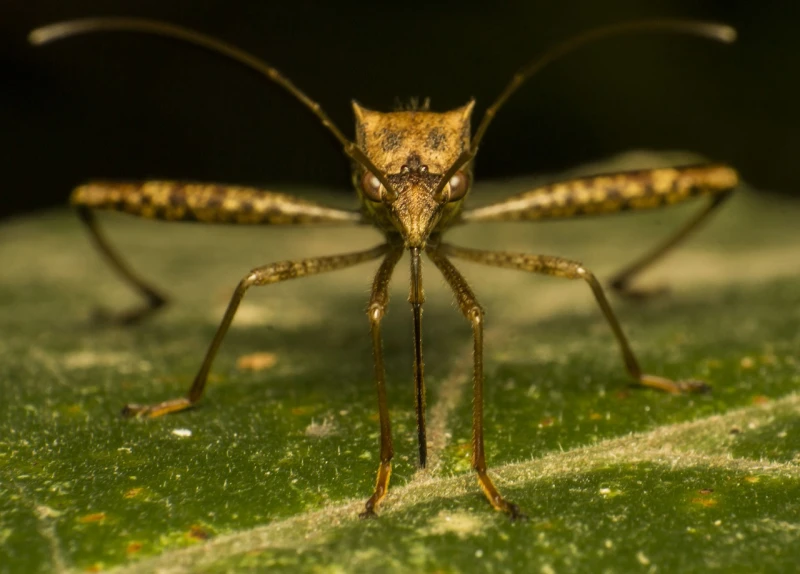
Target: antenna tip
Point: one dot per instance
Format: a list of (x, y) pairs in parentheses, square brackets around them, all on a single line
[(58, 31), (38, 36), (726, 34)]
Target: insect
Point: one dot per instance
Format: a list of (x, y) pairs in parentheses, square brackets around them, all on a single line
[(412, 170)]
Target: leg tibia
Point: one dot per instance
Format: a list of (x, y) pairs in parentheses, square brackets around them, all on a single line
[(375, 312)]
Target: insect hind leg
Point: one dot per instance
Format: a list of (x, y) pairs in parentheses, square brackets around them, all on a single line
[(621, 281), (153, 298)]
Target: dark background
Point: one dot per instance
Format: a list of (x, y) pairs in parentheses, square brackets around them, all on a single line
[(128, 106)]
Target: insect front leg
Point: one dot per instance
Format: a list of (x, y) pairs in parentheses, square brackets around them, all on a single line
[(615, 192), (377, 309), (558, 267), (176, 201), (274, 273), (471, 309)]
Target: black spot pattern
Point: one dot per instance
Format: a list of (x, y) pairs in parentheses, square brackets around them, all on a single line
[(436, 139)]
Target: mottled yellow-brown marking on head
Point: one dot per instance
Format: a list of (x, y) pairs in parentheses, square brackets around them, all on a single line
[(413, 148)]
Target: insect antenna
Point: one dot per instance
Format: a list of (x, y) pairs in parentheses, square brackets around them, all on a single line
[(69, 28), (710, 30)]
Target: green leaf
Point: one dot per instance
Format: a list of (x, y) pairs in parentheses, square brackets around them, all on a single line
[(271, 469)]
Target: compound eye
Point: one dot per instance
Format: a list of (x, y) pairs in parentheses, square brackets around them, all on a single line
[(458, 184), (371, 186)]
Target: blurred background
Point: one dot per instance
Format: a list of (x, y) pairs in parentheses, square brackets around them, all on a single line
[(128, 106)]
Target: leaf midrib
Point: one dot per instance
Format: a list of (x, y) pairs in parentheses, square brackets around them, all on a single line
[(655, 447)]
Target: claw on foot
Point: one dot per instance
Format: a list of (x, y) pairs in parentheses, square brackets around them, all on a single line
[(694, 386), (104, 317), (369, 509), (138, 411), (514, 513), (690, 386), (368, 514), (132, 410)]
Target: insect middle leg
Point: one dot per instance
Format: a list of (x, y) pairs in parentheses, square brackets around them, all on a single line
[(377, 309), (471, 309), (266, 275), (558, 267)]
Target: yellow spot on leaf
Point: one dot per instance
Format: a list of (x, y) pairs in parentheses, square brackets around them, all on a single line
[(134, 492), (133, 547), (256, 361), (96, 517), (747, 363)]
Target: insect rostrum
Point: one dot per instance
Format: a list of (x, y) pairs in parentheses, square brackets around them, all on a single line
[(412, 171)]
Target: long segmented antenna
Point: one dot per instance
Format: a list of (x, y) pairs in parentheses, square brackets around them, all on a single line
[(67, 29), (60, 30), (709, 30)]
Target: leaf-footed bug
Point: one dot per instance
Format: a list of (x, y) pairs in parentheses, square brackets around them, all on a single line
[(412, 171)]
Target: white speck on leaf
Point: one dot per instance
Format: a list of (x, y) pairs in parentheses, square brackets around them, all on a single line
[(322, 429)]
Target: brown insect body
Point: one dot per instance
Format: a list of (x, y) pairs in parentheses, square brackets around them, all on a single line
[(412, 172)]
